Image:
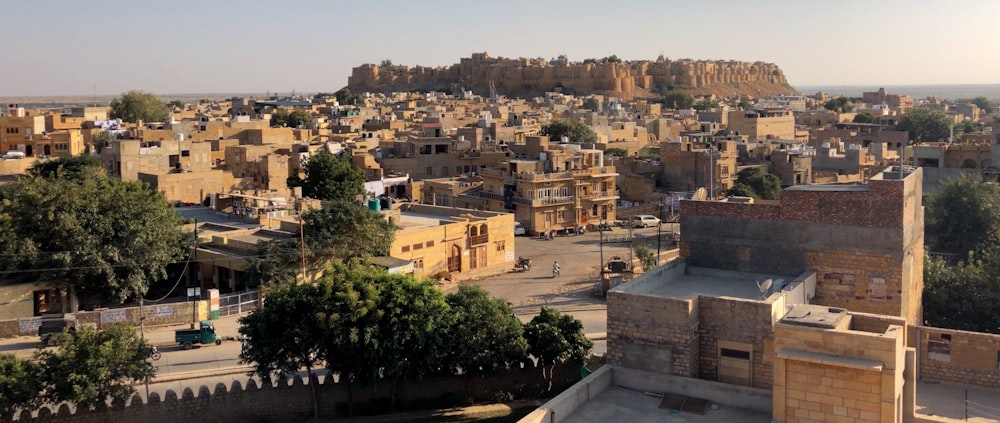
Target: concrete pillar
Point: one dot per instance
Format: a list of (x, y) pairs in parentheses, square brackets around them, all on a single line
[(910, 385)]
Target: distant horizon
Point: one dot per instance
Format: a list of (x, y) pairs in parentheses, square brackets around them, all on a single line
[(192, 46), (836, 89)]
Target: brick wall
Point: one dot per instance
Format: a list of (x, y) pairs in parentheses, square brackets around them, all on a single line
[(291, 401), (967, 357), (736, 320)]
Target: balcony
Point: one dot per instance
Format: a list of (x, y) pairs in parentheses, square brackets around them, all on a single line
[(552, 201), (601, 195), (479, 239)]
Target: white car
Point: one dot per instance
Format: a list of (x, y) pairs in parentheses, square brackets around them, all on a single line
[(644, 221), (518, 229)]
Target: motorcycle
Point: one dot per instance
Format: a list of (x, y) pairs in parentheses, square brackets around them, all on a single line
[(523, 264), (555, 271)]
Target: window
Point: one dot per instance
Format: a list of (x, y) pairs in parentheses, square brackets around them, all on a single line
[(430, 171), (501, 246), (564, 191), (418, 246), (406, 248), (429, 244), (418, 264), (561, 216)]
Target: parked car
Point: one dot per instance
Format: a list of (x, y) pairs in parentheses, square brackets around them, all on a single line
[(519, 229), (644, 221)]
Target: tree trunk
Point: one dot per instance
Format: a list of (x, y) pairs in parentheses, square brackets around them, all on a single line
[(392, 396), (551, 375), (312, 388), (350, 394)]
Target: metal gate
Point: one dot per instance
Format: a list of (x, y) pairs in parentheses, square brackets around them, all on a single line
[(243, 302)]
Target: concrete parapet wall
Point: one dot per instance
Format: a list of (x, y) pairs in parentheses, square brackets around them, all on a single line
[(569, 400), (720, 393)]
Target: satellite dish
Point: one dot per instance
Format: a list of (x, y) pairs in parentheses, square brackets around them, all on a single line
[(764, 285)]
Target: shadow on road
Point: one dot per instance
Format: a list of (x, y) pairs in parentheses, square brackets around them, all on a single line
[(20, 346)]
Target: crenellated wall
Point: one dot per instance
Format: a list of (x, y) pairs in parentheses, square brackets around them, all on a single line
[(525, 77), (291, 400)]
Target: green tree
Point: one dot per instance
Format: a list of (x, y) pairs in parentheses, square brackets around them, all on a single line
[(745, 105), (103, 139), (705, 104), (967, 127), (611, 59), (329, 177), (287, 334), (385, 63), (646, 256), (346, 98), (592, 104), (575, 131), (864, 117), (344, 230), (925, 124), (677, 100), (97, 237), (485, 336), (90, 367), (555, 338), (351, 323), (840, 104), (983, 103), (616, 152), (321, 97), (175, 104), (68, 167), (963, 215), (293, 119), (19, 384), (757, 183), (134, 106), (412, 330), (963, 296), (589, 61)]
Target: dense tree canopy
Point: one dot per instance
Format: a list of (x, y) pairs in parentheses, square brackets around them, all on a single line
[(677, 99), (99, 236), (293, 119), (705, 104), (68, 167), (346, 229), (755, 182), (925, 124), (963, 215), (19, 384), (346, 98), (983, 103), (89, 367), (576, 132), (864, 117), (134, 106), (329, 177), (840, 104), (963, 296), (592, 104), (485, 335)]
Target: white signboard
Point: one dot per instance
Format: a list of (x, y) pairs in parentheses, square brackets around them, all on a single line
[(112, 316)]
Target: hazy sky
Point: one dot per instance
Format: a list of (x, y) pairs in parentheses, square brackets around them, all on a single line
[(212, 46)]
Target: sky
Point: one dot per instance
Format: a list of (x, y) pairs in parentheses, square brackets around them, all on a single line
[(67, 47)]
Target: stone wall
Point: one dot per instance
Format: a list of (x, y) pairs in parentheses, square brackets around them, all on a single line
[(956, 356), (732, 320), (292, 401), (526, 77), (650, 332), (156, 314)]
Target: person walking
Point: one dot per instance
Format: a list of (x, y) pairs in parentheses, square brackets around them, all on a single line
[(555, 269)]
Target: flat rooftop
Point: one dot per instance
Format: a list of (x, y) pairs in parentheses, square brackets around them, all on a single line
[(617, 404), (829, 187), (697, 281), (414, 220), (207, 215)]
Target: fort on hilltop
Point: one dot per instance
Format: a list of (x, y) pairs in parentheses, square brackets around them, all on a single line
[(525, 77)]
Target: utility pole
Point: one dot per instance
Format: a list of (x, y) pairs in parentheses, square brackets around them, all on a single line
[(142, 338), (302, 245)]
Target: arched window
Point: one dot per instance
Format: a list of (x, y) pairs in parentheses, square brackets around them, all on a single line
[(483, 229), (473, 231)]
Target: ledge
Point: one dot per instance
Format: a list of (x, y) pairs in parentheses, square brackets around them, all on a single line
[(831, 360)]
